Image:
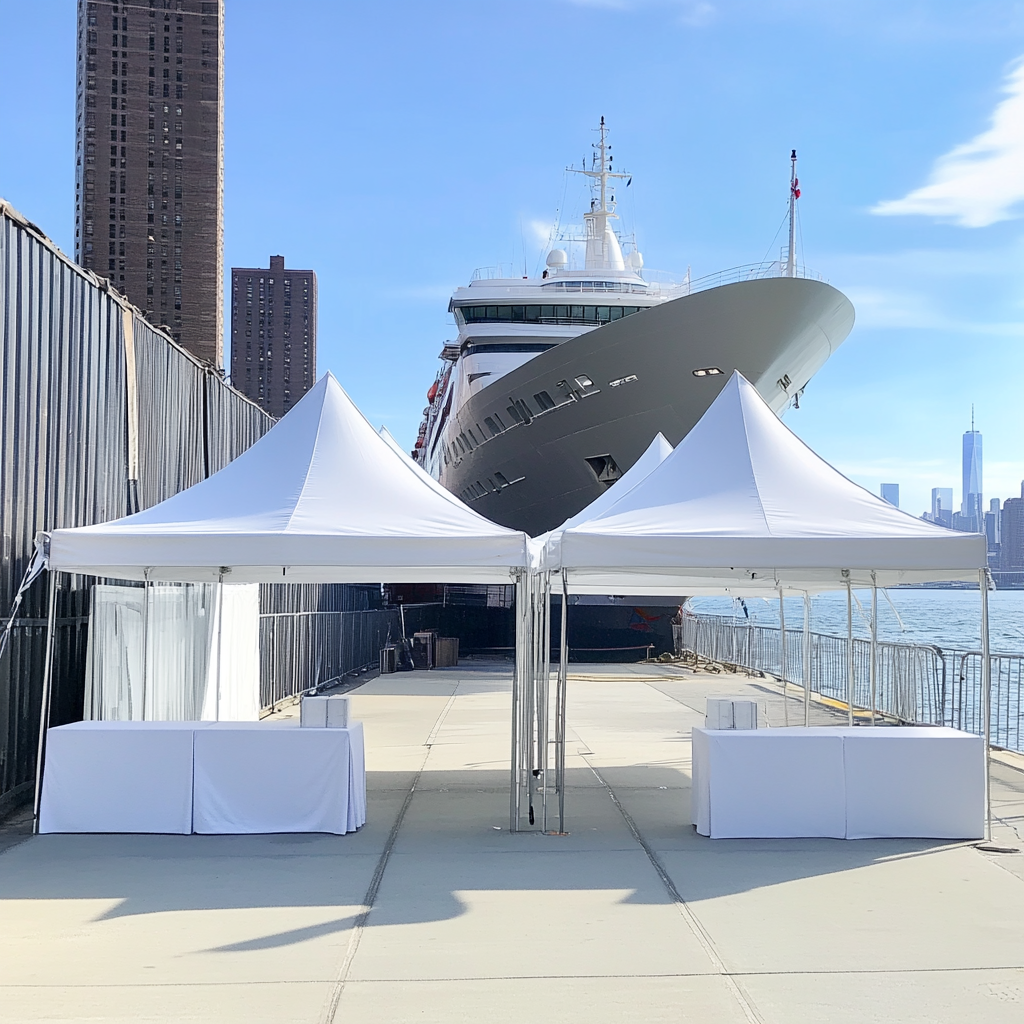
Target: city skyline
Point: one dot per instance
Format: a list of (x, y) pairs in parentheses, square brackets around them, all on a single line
[(926, 243)]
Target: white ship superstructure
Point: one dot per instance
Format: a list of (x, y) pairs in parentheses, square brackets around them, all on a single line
[(556, 385)]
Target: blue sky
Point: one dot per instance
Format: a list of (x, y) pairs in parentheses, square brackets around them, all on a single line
[(414, 142)]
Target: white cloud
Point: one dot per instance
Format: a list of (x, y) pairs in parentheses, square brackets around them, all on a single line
[(981, 181)]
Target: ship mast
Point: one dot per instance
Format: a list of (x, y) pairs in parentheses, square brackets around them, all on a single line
[(603, 250), (794, 195)]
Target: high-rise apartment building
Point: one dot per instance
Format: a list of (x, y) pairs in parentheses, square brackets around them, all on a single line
[(891, 494), (971, 507), (149, 176), (273, 334)]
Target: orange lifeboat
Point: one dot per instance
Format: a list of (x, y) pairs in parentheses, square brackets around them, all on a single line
[(432, 393)]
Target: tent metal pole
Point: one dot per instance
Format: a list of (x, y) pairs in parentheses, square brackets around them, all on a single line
[(145, 644), (782, 657), (529, 735), (986, 699), (220, 639), (44, 706), (546, 701), (849, 651), (807, 659), (517, 668), (563, 678), (874, 645)]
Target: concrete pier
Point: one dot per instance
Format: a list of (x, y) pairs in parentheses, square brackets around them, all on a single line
[(630, 917)]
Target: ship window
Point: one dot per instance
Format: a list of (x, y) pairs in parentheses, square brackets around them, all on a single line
[(502, 479), (544, 400), (514, 413), (492, 426), (472, 437), (497, 419), (544, 314)]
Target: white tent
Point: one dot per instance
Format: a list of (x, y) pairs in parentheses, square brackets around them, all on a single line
[(743, 503), (321, 498), (743, 506)]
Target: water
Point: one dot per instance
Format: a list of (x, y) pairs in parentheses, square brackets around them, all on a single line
[(950, 619)]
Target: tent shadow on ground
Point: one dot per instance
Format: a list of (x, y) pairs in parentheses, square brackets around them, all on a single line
[(450, 843)]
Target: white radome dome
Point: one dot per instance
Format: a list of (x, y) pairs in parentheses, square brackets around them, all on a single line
[(636, 261), (557, 259)]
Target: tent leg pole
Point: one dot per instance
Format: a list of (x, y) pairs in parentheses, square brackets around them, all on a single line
[(563, 678), (546, 697), (220, 642), (44, 707), (782, 658), (849, 654), (874, 646), (145, 646), (986, 699), (513, 810), (807, 659)]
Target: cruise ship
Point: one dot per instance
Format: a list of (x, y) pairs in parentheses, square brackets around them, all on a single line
[(556, 385)]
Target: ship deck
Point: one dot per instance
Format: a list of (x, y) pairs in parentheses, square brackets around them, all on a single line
[(630, 917)]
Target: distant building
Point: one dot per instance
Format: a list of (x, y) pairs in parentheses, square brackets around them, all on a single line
[(971, 507), (942, 506), (150, 101), (891, 494), (1011, 558), (273, 334)]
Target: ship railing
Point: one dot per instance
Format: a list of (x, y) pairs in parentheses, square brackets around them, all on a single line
[(915, 683), (666, 285)]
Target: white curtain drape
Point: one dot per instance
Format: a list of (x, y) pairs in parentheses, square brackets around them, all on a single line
[(153, 653)]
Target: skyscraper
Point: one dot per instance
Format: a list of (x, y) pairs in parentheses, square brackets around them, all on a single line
[(153, 225), (1012, 534), (891, 494), (971, 507), (942, 505), (273, 334)]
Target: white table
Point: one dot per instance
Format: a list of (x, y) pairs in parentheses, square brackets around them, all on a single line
[(277, 777), (211, 777), (841, 782), (118, 777)]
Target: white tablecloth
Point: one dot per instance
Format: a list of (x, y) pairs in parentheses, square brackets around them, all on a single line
[(277, 777), (914, 782), (768, 782), (841, 782), (211, 777), (118, 777)]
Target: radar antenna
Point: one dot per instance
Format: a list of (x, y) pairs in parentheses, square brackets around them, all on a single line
[(603, 250)]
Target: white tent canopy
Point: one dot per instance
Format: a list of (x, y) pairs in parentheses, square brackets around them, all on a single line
[(656, 453), (743, 505), (321, 498)]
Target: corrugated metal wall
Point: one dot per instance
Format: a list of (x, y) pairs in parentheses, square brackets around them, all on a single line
[(72, 417)]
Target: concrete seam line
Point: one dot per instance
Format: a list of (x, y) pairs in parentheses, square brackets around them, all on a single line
[(327, 1017), (331, 1008), (698, 930)]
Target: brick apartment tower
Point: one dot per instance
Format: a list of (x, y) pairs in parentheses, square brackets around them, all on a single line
[(149, 176), (273, 334)]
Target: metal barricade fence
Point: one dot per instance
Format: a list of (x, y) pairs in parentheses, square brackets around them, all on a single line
[(300, 650), (915, 683)]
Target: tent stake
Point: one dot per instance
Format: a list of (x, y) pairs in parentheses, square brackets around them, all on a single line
[(44, 707)]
